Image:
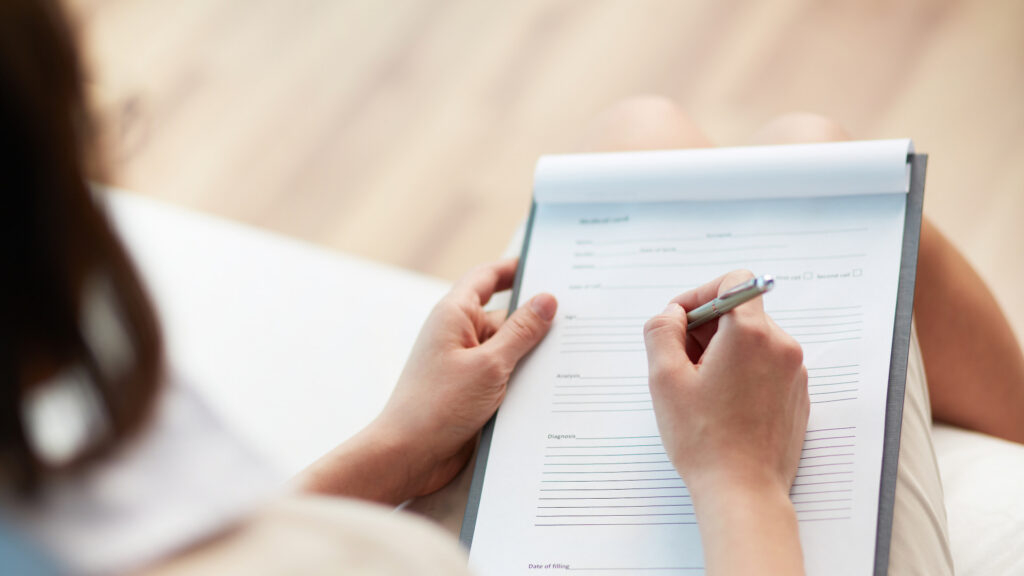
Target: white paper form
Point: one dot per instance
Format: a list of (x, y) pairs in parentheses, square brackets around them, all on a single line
[(577, 478)]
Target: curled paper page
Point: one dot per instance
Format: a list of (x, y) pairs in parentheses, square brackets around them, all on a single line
[(796, 171)]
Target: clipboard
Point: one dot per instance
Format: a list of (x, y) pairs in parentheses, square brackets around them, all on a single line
[(917, 164)]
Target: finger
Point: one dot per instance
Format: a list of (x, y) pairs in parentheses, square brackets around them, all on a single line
[(703, 294), (700, 295), (523, 329), (697, 340), (484, 280), (665, 340), (752, 310)]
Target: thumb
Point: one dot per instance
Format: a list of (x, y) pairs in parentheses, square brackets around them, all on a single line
[(665, 340), (523, 329)]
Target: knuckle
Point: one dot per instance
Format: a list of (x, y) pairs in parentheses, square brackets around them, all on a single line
[(443, 306), (476, 271), (490, 275), (521, 329), (658, 324), (790, 351), (782, 347), (754, 334), (448, 306)]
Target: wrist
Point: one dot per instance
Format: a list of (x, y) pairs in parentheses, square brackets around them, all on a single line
[(737, 482), (401, 453), (747, 526), (372, 465)]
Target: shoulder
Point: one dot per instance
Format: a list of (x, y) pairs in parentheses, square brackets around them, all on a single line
[(322, 535)]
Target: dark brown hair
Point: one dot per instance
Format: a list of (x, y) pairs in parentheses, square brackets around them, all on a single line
[(59, 242)]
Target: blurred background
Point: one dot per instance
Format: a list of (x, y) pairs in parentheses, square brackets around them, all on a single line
[(406, 131)]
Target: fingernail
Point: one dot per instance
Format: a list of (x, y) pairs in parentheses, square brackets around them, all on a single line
[(672, 308), (544, 305)]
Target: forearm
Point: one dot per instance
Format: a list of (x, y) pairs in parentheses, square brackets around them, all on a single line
[(368, 466), (748, 528), (973, 362)]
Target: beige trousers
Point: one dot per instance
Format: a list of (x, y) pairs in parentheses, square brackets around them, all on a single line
[(920, 536)]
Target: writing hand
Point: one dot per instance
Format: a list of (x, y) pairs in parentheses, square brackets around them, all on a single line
[(731, 404)]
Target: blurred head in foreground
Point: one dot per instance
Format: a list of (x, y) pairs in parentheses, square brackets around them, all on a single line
[(80, 349)]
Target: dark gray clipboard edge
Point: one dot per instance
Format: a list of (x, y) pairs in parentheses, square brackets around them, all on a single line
[(898, 360), (897, 374), (483, 448)]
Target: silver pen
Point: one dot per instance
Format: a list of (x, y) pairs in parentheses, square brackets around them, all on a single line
[(727, 301)]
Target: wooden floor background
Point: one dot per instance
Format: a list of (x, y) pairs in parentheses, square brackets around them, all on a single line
[(406, 130)]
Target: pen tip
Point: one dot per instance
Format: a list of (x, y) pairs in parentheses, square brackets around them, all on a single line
[(768, 281)]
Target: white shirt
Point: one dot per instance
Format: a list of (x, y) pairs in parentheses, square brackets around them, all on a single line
[(182, 479)]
